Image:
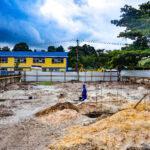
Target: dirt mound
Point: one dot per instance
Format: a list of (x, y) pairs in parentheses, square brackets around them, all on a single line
[(58, 106), (59, 116), (127, 128)]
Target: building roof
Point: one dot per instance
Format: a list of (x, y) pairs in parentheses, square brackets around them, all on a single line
[(33, 54)]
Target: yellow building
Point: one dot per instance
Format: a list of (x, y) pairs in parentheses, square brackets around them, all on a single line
[(22, 60)]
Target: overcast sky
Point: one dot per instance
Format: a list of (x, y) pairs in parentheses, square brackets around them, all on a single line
[(38, 22)]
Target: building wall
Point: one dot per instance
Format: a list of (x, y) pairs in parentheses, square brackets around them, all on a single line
[(29, 63)]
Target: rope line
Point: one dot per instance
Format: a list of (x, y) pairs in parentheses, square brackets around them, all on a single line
[(84, 41)]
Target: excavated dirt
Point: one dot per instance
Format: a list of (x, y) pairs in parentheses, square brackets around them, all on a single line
[(57, 112), (59, 116), (64, 112), (96, 114), (125, 129), (58, 106), (89, 107)]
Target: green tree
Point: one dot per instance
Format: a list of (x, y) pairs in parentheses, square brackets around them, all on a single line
[(88, 57), (51, 49), (137, 23), (43, 50), (60, 49), (55, 49), (144, 63), (21, 47), (5, 48), (127, 59)]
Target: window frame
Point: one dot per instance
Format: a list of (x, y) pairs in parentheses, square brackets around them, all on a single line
[(60, 60), (19, 60), (3, 59), (36, 60)]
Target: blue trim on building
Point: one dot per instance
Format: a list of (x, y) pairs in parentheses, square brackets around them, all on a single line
[(34, 54)]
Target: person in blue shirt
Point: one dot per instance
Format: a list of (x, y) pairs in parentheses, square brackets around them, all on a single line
[(84, 92)]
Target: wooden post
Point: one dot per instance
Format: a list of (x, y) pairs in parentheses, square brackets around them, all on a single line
[(78, 76), (51, 77), (110, 74), (25, 76), (140, 101), (85, 76), (5, 82), (36, 75), (65, 76), (104, 77)]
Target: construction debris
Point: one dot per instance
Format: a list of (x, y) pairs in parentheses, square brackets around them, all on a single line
[(140, 100)]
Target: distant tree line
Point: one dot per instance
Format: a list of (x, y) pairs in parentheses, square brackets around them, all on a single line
[(22, 46), (90, 58)]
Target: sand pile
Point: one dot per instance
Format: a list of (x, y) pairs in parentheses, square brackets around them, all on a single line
[(58, 106), (125, 129), (61, 112), (59, 116)]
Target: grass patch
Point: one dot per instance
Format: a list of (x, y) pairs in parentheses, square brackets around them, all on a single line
[(145, 63), (45, 83)]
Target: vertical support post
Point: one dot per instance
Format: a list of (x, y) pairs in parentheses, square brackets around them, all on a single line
[(85, 76), (104, 77), (77, 63), (5, 81), (96, 90), (51, 77), (13, 80), (65, 76), (110, 75), (36, 75), (25, 76)]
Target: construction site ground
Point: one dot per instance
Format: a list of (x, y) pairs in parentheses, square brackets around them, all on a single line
[(35, 116)]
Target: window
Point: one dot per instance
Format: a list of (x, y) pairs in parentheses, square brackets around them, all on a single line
[(38, 60), (3, 60), (20, 60), (4, 69), (57, 60)]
